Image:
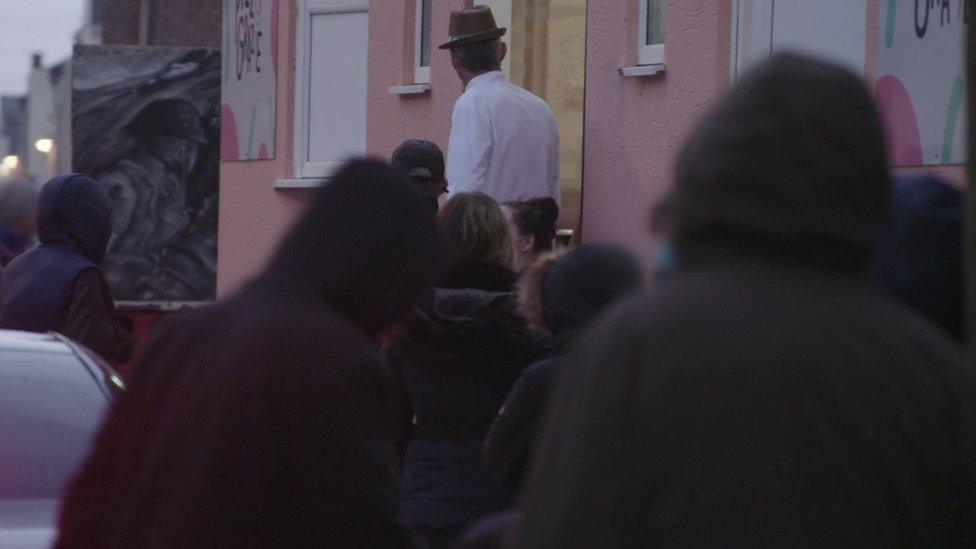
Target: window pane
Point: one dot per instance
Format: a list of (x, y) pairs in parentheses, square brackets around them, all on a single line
[(425, 33), (655, 22), (337, 86)]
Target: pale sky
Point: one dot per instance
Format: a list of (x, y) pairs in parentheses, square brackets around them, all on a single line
[(47, 26)]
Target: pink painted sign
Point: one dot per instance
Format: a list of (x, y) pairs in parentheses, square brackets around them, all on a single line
[(250, 63), (921, 80)]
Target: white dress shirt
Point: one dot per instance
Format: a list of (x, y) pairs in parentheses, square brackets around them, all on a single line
[(504, 142)]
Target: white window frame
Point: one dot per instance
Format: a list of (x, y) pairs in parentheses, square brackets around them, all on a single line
[(303, 46), (421, 73), (647, 54)]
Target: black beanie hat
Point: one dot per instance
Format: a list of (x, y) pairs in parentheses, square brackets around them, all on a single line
[(793, 151)]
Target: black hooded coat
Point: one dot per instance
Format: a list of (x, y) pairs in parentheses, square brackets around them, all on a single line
[(266, 420), (58, 286), (459, 355), (766, 395), (576, 289)]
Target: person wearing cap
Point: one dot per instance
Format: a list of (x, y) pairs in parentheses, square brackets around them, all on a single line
[(423, 161), (504, 140)]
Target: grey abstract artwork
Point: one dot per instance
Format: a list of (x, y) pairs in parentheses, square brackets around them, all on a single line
[(146, 126)]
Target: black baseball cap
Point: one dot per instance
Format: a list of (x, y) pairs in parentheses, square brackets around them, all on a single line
[(420, 159)]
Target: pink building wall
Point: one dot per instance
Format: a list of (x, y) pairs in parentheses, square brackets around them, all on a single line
[(635, 126), (253, 214), (391, 119)]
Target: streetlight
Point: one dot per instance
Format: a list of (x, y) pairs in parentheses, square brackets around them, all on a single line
[(44, 145), (11, 162)]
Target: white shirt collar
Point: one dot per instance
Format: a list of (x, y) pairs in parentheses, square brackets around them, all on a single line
[(493, 76)]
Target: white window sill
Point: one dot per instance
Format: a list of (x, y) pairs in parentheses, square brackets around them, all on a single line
[(410, 89), (641, 70), (299, 183)]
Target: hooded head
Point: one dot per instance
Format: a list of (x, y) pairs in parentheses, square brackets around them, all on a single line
[(792, 156), (368, 245), (72, 211), (560, 294), (918, 257)]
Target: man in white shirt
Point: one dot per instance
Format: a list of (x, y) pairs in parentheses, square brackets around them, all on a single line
[(504, 140)]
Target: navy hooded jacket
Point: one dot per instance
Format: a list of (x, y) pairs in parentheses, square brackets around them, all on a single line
[(38, 289)]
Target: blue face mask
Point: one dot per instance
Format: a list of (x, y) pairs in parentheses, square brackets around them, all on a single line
[(666, 259)]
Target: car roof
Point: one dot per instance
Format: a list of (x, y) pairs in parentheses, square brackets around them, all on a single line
[(32, 343)]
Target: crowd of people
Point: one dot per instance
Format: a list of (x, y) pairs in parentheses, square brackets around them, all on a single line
[(420, 365)]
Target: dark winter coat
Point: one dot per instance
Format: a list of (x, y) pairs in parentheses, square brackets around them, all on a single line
[(569, 294), (459, 356), (58, 286), (766, 395), (918, 257), (265, 420)]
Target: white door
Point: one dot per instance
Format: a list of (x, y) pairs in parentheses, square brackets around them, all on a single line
[(331, 96), (835, 30)]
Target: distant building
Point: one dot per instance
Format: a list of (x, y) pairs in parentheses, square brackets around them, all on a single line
[(90, 32), (41, 123), (13, 125), (138, 22)]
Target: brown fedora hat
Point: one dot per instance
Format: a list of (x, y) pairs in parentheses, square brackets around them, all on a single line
[(472, 25)]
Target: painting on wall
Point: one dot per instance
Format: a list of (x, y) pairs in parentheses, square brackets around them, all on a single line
[(921, 82), (146, 127), (250, 81)]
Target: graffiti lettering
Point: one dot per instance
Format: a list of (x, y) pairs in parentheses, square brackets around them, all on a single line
[(945, 13), (248, 37)]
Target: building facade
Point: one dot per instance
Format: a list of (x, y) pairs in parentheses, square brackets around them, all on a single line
[(627, 80)]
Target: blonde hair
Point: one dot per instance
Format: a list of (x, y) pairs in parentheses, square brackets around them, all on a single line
[(475, 225)]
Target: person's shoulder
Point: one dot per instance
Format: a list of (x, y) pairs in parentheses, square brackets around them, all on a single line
[(540, 373), (271, 322), (471, 100), (530, 98)]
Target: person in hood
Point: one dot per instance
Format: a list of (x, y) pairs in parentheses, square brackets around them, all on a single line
[(459, 354), (765, 394), (918, 256), (559, 296), (58, 286), (264, 420)]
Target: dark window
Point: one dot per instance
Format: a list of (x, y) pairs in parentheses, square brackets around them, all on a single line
[(425, 5)]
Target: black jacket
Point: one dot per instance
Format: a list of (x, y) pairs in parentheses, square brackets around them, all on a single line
[(266, 420), (58, 286), (459, 356), (567, 295)]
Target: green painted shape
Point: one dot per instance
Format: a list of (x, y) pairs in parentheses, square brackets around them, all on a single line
[(890, 23), (955, 108), (250, 135)]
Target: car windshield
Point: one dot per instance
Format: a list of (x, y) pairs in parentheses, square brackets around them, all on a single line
[(50, 408)]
